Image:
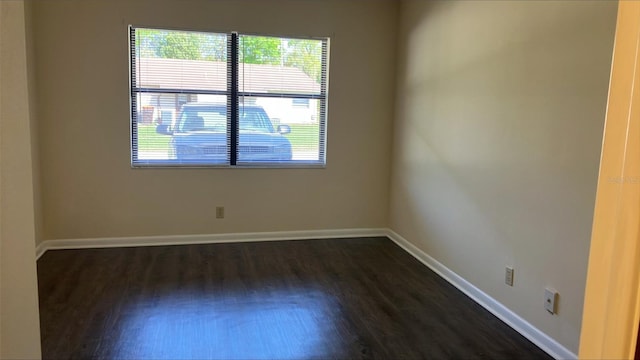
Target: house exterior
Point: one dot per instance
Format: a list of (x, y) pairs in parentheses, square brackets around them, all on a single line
[(211, 76)]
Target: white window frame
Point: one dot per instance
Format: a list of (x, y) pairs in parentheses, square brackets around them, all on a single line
[(234, 94)]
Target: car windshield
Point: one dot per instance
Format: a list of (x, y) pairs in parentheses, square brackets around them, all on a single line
[(215, 120)]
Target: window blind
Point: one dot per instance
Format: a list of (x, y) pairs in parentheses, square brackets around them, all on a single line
[(214, 99)]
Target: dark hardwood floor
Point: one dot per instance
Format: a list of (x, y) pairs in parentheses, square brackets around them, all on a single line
[(340, 299)]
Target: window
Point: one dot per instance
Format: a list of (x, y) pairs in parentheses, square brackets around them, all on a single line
[(300, 102), (213, 99)]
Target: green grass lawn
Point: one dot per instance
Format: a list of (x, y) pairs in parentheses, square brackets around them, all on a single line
[(304, 136), (150, 140)]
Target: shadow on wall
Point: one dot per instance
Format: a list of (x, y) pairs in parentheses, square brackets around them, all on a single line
[(500, 109)]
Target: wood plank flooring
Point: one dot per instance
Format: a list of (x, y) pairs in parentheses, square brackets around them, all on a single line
[(341, 299)]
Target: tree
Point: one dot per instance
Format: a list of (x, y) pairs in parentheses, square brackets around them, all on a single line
[(260, 50), (306, 55), (146, 42), (181, 45)]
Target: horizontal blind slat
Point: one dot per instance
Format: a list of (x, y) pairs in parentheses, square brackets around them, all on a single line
[(179, 79)]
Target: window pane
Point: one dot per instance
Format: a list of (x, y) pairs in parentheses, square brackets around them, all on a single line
[(182, 99), (273, 130), (279, 65), (170, 59), (181, 129)]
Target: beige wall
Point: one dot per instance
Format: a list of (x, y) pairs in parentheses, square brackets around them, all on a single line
[(500, 111), (88, 187), (33, 111), (19, 325)]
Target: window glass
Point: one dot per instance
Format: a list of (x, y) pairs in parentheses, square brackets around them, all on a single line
[(211, 99)]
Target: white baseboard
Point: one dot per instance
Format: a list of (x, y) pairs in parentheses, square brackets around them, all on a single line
[(41, 249), (527, 330), (542, 340), (202, 239)]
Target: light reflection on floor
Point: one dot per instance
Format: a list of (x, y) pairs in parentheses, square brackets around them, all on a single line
[(282, 325)]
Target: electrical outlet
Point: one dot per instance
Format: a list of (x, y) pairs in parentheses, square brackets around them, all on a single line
[(220, 212), (550, 299), (508, 275)]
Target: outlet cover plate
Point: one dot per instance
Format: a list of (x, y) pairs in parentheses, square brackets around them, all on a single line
[(508, 275), (550, 299)]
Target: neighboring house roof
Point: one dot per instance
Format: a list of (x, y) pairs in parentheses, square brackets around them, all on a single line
[(212, 75)]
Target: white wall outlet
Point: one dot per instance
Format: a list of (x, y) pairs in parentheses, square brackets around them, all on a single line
[(508, 275), (220, 212), (550, 299)]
